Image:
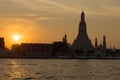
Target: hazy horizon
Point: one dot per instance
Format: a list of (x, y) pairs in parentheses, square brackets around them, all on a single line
[(47, 21)]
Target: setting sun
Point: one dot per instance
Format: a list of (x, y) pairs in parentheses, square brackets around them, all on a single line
[(16, 37)]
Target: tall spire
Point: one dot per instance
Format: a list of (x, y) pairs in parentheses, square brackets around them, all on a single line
[(65, 39), (82, 25), (96, 43), (82, 16), (104, 42), (82, 41)]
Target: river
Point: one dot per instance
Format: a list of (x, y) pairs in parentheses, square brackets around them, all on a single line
[(59, 69)]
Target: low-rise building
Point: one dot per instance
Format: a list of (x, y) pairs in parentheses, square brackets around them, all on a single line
[(37, 50)]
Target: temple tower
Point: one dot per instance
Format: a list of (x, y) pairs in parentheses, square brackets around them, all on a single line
[(65, 39), (104, 42), (82, 41), (96, 43)]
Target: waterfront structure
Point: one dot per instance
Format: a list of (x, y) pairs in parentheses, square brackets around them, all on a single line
[(2, 43), (60, 46), (96, 43), (65, 39), (104, 42), (39, 50), (101, 46), (82, 41)]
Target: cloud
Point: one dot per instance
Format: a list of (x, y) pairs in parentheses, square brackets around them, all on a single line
[(97, 7), (59, 5), (47, 5), (45, 18), (31, 15), (23, 7)]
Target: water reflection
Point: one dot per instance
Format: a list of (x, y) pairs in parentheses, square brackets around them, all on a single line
[(35, 69), (16, 70)]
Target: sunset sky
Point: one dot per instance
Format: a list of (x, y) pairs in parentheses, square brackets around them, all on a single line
[(47, 21)]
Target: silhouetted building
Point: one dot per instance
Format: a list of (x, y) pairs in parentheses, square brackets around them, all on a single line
[(60, 46), (65, 39), (2, 43), (37, 50), (101, 46), (82, 41), (104, 42), (96, 43)]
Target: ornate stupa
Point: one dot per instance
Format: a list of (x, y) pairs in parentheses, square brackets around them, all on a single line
[(82, 41)]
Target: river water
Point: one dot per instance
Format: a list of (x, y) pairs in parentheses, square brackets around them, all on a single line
[(59, 69)]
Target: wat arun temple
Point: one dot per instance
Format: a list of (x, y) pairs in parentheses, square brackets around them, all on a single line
[(82, 41), (82, 48)]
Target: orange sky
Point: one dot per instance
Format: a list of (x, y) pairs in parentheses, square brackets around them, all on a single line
[(47, 21)]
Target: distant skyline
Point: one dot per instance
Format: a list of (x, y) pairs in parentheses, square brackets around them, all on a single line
[(47, 21)]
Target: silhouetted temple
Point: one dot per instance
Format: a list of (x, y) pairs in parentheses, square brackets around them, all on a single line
[(101, 46), (82, 41)]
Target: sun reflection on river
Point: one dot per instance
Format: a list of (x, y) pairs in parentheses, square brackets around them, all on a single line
[(16, 70)]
